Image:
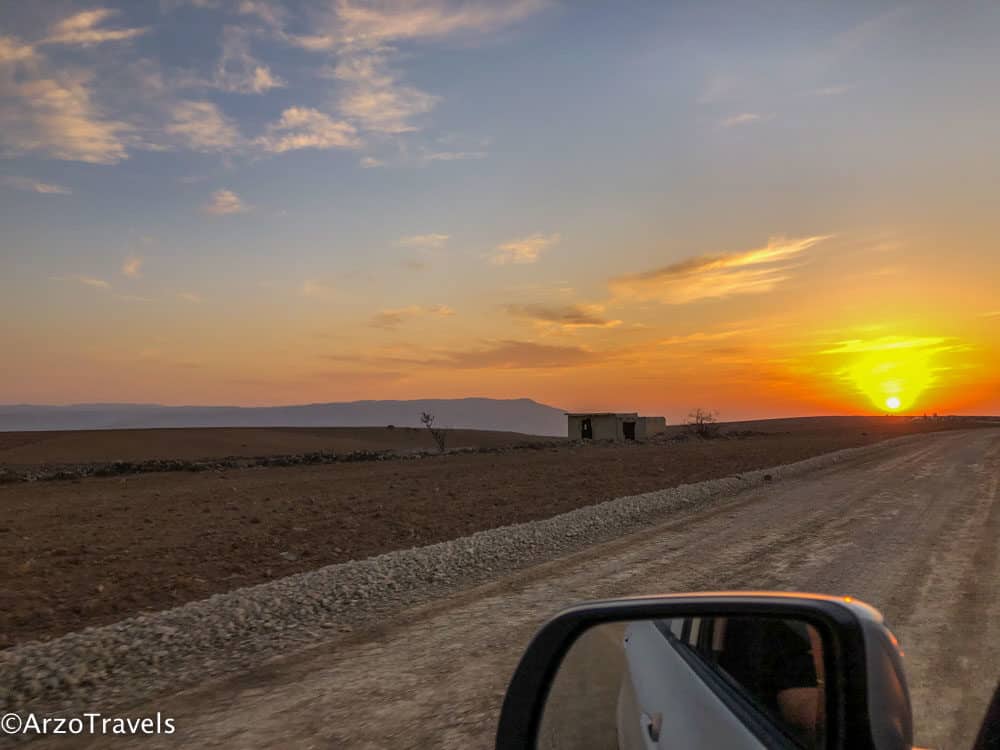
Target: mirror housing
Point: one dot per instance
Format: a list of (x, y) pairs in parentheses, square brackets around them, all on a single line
[(868, 702)]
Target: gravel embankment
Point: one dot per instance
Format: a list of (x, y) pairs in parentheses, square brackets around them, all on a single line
[(146, 655)]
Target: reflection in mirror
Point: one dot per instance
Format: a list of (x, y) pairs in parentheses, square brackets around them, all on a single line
[(694, 682)]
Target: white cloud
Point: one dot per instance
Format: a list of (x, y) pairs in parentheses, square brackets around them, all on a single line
[(302, 127), (35, 186), (369, 24), (132, 266), (238, 71), (224, 202), (370, 162), (524, 250), (745, 118), (188, 297), (201, 126), (362, 35), (52, 113), (374, 98), (424, 240), (82, 29)]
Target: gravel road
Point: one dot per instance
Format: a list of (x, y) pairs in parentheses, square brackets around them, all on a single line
[(913, 528)]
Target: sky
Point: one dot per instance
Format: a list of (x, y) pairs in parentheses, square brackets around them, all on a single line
[(760, 208)]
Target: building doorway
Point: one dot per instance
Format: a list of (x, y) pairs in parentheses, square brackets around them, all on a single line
[(586, 429), (628, 429)]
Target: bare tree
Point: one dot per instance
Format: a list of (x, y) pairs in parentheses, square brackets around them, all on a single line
[(439, 435), (703, 423)]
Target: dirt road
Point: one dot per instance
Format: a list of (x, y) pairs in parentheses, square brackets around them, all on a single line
[(913, 529)]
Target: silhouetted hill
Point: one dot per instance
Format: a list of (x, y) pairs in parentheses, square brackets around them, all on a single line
[(515, 415)]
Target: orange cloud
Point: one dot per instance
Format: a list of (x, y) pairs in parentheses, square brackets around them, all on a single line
[(565, 316), (524, 250), (393, 317), (717, 276)]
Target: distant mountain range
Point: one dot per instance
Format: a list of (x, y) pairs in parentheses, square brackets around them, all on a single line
[(512, 415)]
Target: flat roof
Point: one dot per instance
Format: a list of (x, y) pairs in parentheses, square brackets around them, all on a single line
[(602, 414)]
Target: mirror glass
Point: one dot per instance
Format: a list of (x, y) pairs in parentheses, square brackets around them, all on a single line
[(693, 682)]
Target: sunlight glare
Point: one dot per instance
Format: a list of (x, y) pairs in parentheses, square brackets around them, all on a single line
[(891, 372)]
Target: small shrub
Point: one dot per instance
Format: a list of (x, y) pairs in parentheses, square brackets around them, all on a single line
[(703, 423), (439, 435)]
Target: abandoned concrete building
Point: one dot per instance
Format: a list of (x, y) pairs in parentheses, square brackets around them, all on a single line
[(613, 426)]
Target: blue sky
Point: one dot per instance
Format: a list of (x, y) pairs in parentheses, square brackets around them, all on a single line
[(209, 201)]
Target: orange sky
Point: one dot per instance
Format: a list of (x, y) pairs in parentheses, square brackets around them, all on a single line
[(657, 211)]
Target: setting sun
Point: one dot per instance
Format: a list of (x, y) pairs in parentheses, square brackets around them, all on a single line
[(895, 372)]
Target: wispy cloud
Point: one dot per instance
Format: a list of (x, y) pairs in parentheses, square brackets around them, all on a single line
[(132, 267), (524, 250), (744, 118), (393, 317), (717, 276), (13, 50), (238, 71), (201, 126), (892, 343), (374, 98), (702, 337), (564, 316), (302, 127), (224, 202), (361, 37), (271, 13), (515, 355), (188, 297), (91, 281), (424, 240), (34, 186), (83, 29), (52, 112), (398, 20)]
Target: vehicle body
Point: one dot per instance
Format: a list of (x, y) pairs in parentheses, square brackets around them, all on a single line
[(731, 669)]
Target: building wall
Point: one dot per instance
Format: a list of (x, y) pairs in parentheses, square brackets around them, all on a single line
[(652, 426), (605, 426)]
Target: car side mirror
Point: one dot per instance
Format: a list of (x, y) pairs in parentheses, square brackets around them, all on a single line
[(712, 670)]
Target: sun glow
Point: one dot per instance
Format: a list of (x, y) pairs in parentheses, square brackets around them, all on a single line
[(891, 372)]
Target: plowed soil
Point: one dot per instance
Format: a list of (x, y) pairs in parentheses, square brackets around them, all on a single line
[(97, 550)]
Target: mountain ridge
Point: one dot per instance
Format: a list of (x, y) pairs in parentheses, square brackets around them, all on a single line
[(476, 413)]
